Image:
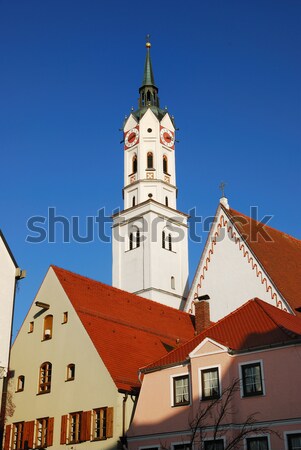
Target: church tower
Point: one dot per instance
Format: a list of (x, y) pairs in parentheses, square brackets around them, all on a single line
[(150, 249)]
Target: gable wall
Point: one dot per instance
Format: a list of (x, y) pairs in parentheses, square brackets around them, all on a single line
[(228, 275), (92, 387)]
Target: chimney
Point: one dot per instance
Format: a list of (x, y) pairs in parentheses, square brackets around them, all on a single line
[(202, 313)]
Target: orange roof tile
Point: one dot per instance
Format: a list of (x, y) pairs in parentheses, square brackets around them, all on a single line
[(253, 325), (128, 331), (278, 252)]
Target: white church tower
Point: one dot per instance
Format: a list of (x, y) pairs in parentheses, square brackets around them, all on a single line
[(150, 249)]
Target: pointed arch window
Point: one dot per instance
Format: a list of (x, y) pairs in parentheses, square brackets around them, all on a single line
[(150, 160), (47, 330), (148, 96), (165, 164), (134, 164), (45, 378)]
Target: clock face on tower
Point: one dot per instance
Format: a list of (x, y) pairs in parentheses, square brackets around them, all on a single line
[(131, 137), (167, 137)]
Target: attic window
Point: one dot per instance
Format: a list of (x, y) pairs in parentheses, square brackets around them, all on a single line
[(70, 372), (31, 327), (65, 317), (47, 332), (20, 383)]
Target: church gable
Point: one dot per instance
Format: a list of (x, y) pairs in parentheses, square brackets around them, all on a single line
[(167, 123), (131, 122), (229, 272)]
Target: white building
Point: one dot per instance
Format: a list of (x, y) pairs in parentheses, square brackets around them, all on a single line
[(150, 250)]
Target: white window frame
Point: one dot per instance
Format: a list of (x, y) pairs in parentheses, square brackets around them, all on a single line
[(246, 363), (173, 444), (287, 433), (216, 366), (176, 375)]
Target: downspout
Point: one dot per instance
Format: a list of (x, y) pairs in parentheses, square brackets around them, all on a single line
[(123, 414)]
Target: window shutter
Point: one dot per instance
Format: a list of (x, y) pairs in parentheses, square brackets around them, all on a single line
[(28, 432), (64, 429), (109, 427), (7, 437), (50, 431), (85, 426)]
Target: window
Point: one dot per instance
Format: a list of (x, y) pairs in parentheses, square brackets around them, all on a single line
[(65, 317), (134, 201), (21, 383), (181, 390), (252, 379), (47, 332), (134, 164), (74, 428), (131, 241), (45, 378), (31, 327), (183, 446), (165, 164), (99, 423), (294, 441), (42, 432), (169, 243), (134, 239), (70, 372), (138, 238), (217, 444), (172, 283), (257, 443), (150, 160), (210, 384), (166, 201), (18, 431), (163, 239)]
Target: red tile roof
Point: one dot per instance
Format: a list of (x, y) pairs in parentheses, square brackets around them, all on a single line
[(127, 331), (278, 252), (253, 325)]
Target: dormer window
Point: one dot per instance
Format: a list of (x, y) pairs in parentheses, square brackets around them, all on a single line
[(47, 331)]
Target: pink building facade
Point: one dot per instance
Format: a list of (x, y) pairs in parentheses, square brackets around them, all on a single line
[(264, 409)]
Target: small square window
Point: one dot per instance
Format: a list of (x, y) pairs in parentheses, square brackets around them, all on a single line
[(181, 390), (210, 384), (258, 443), (252, 379), (31, 327), (294, 441), (217, 444), (65, 317)]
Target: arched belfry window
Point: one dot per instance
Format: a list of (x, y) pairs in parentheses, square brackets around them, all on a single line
[(165, 164), (148, 96), (138, 238), (134, 238), (134, 164), (150, 160), (47, 331)]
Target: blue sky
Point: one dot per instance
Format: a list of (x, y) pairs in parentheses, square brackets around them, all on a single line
[(228, 70)]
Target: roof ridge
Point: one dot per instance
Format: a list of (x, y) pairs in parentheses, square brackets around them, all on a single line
[(158, 305), (281, 327)]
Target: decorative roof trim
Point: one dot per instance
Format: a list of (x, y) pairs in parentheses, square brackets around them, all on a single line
[(226, 222)]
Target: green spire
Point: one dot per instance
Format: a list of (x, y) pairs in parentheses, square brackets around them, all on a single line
[(148, 76), (148, 91)]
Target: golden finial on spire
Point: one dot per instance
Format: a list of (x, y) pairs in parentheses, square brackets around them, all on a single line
[(148, 44)]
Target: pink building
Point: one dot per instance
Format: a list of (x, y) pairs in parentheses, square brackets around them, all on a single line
[(252, 351)]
